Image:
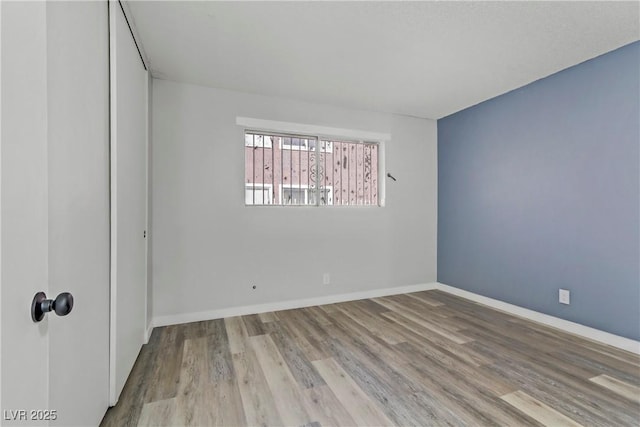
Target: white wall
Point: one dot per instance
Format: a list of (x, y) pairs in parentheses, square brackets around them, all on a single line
[(208, 249)]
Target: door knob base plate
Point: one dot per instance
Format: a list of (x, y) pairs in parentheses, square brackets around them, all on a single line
[(36, 307)]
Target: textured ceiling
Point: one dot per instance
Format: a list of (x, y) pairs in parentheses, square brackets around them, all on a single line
[(425, 59)]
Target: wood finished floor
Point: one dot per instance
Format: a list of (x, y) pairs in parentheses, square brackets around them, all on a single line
[(427, 358)]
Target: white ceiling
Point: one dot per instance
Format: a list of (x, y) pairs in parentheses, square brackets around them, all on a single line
[(425, 59)]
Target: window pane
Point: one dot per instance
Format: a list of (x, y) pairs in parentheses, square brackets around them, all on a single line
[(257, 195), (256, 140), (325, 198), (299, 170), (352, 172), (293, 196)]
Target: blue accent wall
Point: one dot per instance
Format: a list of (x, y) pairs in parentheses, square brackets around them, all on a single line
[(539, 189)]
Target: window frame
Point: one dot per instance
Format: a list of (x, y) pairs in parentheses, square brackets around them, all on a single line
[(319, 137)]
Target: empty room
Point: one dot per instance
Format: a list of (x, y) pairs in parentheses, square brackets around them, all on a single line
[(319, 213)]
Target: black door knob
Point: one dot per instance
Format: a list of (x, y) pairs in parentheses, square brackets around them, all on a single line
[(62, 305)]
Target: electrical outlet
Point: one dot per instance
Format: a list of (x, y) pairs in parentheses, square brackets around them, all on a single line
[(326, 278), (564, 296)]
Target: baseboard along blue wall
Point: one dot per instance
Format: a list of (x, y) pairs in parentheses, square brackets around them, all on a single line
[(539, 189)]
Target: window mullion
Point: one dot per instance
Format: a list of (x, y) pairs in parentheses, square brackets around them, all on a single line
[(317, 170)]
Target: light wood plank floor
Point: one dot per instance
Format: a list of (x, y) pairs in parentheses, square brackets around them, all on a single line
[(427, 358)]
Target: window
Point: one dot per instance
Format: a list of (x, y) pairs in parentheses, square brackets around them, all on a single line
[(292, 143), (309, 171), (256, 140), (305, 196), (294, 196), (258, 194), (325, 197)]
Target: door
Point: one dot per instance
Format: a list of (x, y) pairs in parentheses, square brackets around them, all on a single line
[(54, 195), (78, 152), (128, 200), (24, 204)]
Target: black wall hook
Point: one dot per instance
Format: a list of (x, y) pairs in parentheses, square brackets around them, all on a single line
[(391, 176)]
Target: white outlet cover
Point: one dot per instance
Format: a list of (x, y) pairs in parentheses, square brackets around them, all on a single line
[(326, 278), (564, 296)]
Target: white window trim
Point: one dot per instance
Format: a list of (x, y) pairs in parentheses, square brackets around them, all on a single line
[(312, 130)]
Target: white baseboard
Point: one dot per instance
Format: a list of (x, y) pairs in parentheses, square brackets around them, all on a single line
[(286, 305), (147, 333), (564, 325)]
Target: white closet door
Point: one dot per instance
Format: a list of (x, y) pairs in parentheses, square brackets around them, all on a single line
[(129, 89)]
